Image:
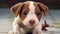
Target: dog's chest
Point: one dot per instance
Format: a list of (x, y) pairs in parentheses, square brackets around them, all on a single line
[(25, 29)]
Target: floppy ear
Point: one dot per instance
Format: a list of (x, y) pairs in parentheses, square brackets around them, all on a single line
[(43, 7), (15, 9)]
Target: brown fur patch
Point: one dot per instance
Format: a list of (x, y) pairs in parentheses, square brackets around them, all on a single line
[(25, 11), (40, 8), (15, 9), (38, 12)]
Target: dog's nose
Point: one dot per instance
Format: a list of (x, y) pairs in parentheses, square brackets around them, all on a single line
[(32, 22)]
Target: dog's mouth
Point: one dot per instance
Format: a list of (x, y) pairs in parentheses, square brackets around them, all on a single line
[(31, 24), (25, 26)]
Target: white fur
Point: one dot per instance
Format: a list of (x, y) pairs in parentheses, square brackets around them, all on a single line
[(31, 15), (16, 28)]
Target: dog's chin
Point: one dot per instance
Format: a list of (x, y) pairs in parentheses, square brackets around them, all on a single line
[(29, 26)]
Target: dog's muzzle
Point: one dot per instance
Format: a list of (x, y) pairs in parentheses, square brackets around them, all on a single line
[(31, 22)]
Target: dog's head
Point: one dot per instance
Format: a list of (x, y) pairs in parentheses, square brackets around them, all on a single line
[(29, 12)]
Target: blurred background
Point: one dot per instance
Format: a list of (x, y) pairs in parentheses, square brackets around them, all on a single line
[(52, 18), (52, 4)]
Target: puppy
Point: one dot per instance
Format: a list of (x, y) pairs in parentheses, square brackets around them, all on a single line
[(27, 17)]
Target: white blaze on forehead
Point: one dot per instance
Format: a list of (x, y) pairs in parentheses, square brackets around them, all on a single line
[(32, 7)]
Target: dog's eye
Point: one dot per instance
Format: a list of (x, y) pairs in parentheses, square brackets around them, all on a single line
[(25, 13), (38, 14)]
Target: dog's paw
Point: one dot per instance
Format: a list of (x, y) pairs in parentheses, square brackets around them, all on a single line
[(12, 32)]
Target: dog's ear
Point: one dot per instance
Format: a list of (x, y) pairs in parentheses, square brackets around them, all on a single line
[(15, 9), (43, 7)]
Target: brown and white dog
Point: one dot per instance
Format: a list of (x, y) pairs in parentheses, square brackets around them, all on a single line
[(27, 17)]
